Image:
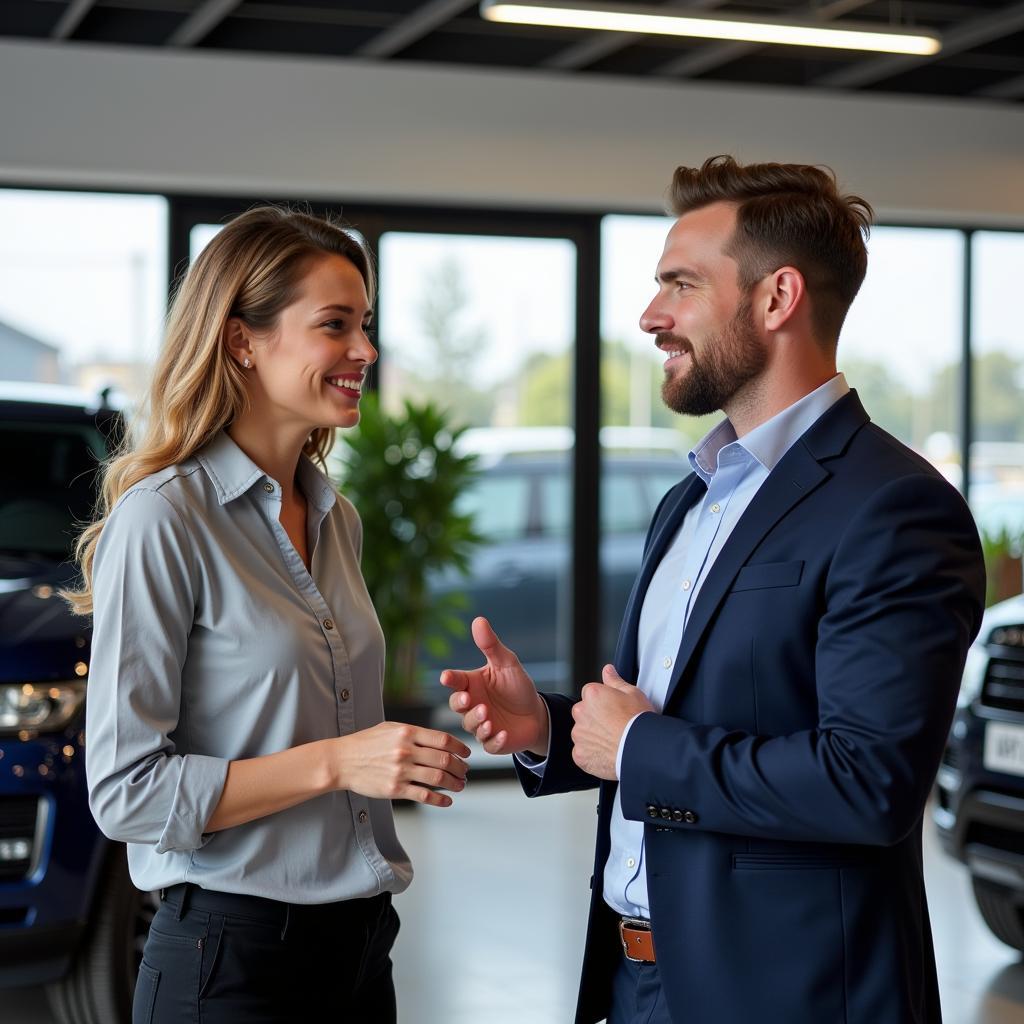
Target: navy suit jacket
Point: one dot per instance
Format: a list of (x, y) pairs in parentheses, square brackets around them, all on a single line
[(783, 787)]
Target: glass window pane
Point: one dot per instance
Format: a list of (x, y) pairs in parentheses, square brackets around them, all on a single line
[(997, 449), (83, 287), (499, 506), (200, 235), (901, 344), (484, 326), (643, 444)]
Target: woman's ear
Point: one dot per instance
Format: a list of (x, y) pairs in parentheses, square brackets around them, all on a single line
[(236, 340)]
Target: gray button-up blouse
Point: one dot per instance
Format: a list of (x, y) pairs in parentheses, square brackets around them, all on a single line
[(211, 643)]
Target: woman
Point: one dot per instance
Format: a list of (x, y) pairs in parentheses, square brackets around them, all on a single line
[(235, 732)]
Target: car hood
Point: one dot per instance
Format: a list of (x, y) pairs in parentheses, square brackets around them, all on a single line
[(40, 639), (1006, 613)]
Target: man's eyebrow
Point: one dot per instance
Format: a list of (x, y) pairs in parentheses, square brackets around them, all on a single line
[(668, 276)]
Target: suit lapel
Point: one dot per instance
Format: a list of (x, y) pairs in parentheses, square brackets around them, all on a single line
[(797, 474), (626, 661)]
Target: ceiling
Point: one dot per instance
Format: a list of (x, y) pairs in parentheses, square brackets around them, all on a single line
[(982, 55)]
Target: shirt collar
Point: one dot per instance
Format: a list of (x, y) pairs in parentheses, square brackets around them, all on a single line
[(232, 473), (773, 438)]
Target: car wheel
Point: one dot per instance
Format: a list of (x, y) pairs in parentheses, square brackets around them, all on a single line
[(1001, 911), (99, 986)]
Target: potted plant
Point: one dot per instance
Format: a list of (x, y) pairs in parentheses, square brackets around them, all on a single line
[(1003, 564), (405, 476)]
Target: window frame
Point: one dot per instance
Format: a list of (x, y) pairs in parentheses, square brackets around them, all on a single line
[(583, 227)]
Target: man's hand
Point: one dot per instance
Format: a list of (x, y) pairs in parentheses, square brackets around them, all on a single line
[(499, 703), (601, 717)]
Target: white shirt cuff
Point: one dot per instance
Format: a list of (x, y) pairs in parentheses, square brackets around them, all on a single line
[(622, 746)]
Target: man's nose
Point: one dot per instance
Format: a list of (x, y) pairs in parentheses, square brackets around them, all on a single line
[(655, 319)]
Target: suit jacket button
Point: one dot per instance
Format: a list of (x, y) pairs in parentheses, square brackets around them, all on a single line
[(677, 815), (652, 811), (689, 817), (666, 813)]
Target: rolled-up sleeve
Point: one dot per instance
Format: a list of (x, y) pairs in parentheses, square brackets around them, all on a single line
[(144, 593)]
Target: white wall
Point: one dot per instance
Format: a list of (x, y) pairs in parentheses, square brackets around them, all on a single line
[(215, 123)]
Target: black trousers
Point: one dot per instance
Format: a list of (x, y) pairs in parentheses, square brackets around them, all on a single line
[(222, 958)]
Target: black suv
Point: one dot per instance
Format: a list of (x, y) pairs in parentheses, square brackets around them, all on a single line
[(979, 791), (70, 917)]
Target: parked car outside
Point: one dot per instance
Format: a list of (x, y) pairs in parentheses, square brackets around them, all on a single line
[(979, 791), (520, 579), (69, 916)]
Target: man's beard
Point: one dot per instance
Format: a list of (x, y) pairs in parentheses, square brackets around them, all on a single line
[(729, 359)]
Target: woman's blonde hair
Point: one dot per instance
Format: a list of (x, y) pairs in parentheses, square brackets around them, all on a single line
[(251, 270)]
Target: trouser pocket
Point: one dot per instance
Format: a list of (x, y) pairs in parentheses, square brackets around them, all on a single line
[(172, 970)]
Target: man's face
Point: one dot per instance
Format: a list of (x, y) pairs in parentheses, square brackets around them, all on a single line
[(701, 318)]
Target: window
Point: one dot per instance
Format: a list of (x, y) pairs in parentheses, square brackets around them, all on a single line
[(901, 346), (83, 287)]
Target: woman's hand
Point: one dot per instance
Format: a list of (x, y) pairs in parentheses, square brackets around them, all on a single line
[(498, 702), (392, 761)]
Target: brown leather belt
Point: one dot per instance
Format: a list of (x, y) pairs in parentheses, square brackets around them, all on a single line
[(637, 940)]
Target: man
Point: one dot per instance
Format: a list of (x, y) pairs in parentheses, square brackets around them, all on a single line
[(796, 633)]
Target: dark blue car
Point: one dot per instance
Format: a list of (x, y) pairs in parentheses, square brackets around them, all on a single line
[(69, 915)]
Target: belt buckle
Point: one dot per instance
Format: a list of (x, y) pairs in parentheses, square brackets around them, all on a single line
[(640, 925)]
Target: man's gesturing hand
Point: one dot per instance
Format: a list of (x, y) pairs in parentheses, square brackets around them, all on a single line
[(499, 703), (601, 717)]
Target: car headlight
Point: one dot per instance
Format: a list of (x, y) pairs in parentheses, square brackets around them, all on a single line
[(39, 707), (974, 675)]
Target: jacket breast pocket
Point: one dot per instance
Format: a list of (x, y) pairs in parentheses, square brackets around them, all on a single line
[(768, 574)]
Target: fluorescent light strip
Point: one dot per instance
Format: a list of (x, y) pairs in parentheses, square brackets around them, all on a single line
[(653, 21)]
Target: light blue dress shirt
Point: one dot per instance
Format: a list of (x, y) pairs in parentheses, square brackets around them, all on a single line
[(212, 642), (733, 471)]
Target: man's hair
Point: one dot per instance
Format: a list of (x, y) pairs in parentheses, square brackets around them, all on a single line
[(787, 214)]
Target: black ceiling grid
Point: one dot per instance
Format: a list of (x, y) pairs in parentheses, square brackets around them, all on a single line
[(983, 53)]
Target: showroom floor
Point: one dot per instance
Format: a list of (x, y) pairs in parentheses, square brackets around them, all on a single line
[(493, 924)]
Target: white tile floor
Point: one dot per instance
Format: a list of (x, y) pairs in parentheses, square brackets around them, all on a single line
[(493, 924)]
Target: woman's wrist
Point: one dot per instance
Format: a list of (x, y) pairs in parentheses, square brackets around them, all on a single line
[(331, 774)]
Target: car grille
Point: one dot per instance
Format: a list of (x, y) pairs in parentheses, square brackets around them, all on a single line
[(18, 818), (1003, 687)]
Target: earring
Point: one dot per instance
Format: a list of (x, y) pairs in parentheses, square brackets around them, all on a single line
[(247, 362)]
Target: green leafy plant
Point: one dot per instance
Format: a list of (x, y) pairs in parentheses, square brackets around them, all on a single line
[(404, 476), (1003, 567)]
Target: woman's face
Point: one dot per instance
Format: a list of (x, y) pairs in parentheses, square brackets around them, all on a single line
[(311, 370)]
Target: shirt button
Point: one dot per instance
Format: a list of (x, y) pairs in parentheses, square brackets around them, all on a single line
[(269, 488), (667, 663), (630, 863), (363, 816), (344, 695), (686, 584), (716, 507), (328, 624)]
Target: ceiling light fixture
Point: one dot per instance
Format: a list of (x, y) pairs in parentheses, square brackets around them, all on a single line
[(657, 21)]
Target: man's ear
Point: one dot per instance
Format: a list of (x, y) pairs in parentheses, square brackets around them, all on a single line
[(237, 342), (786, 294)]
